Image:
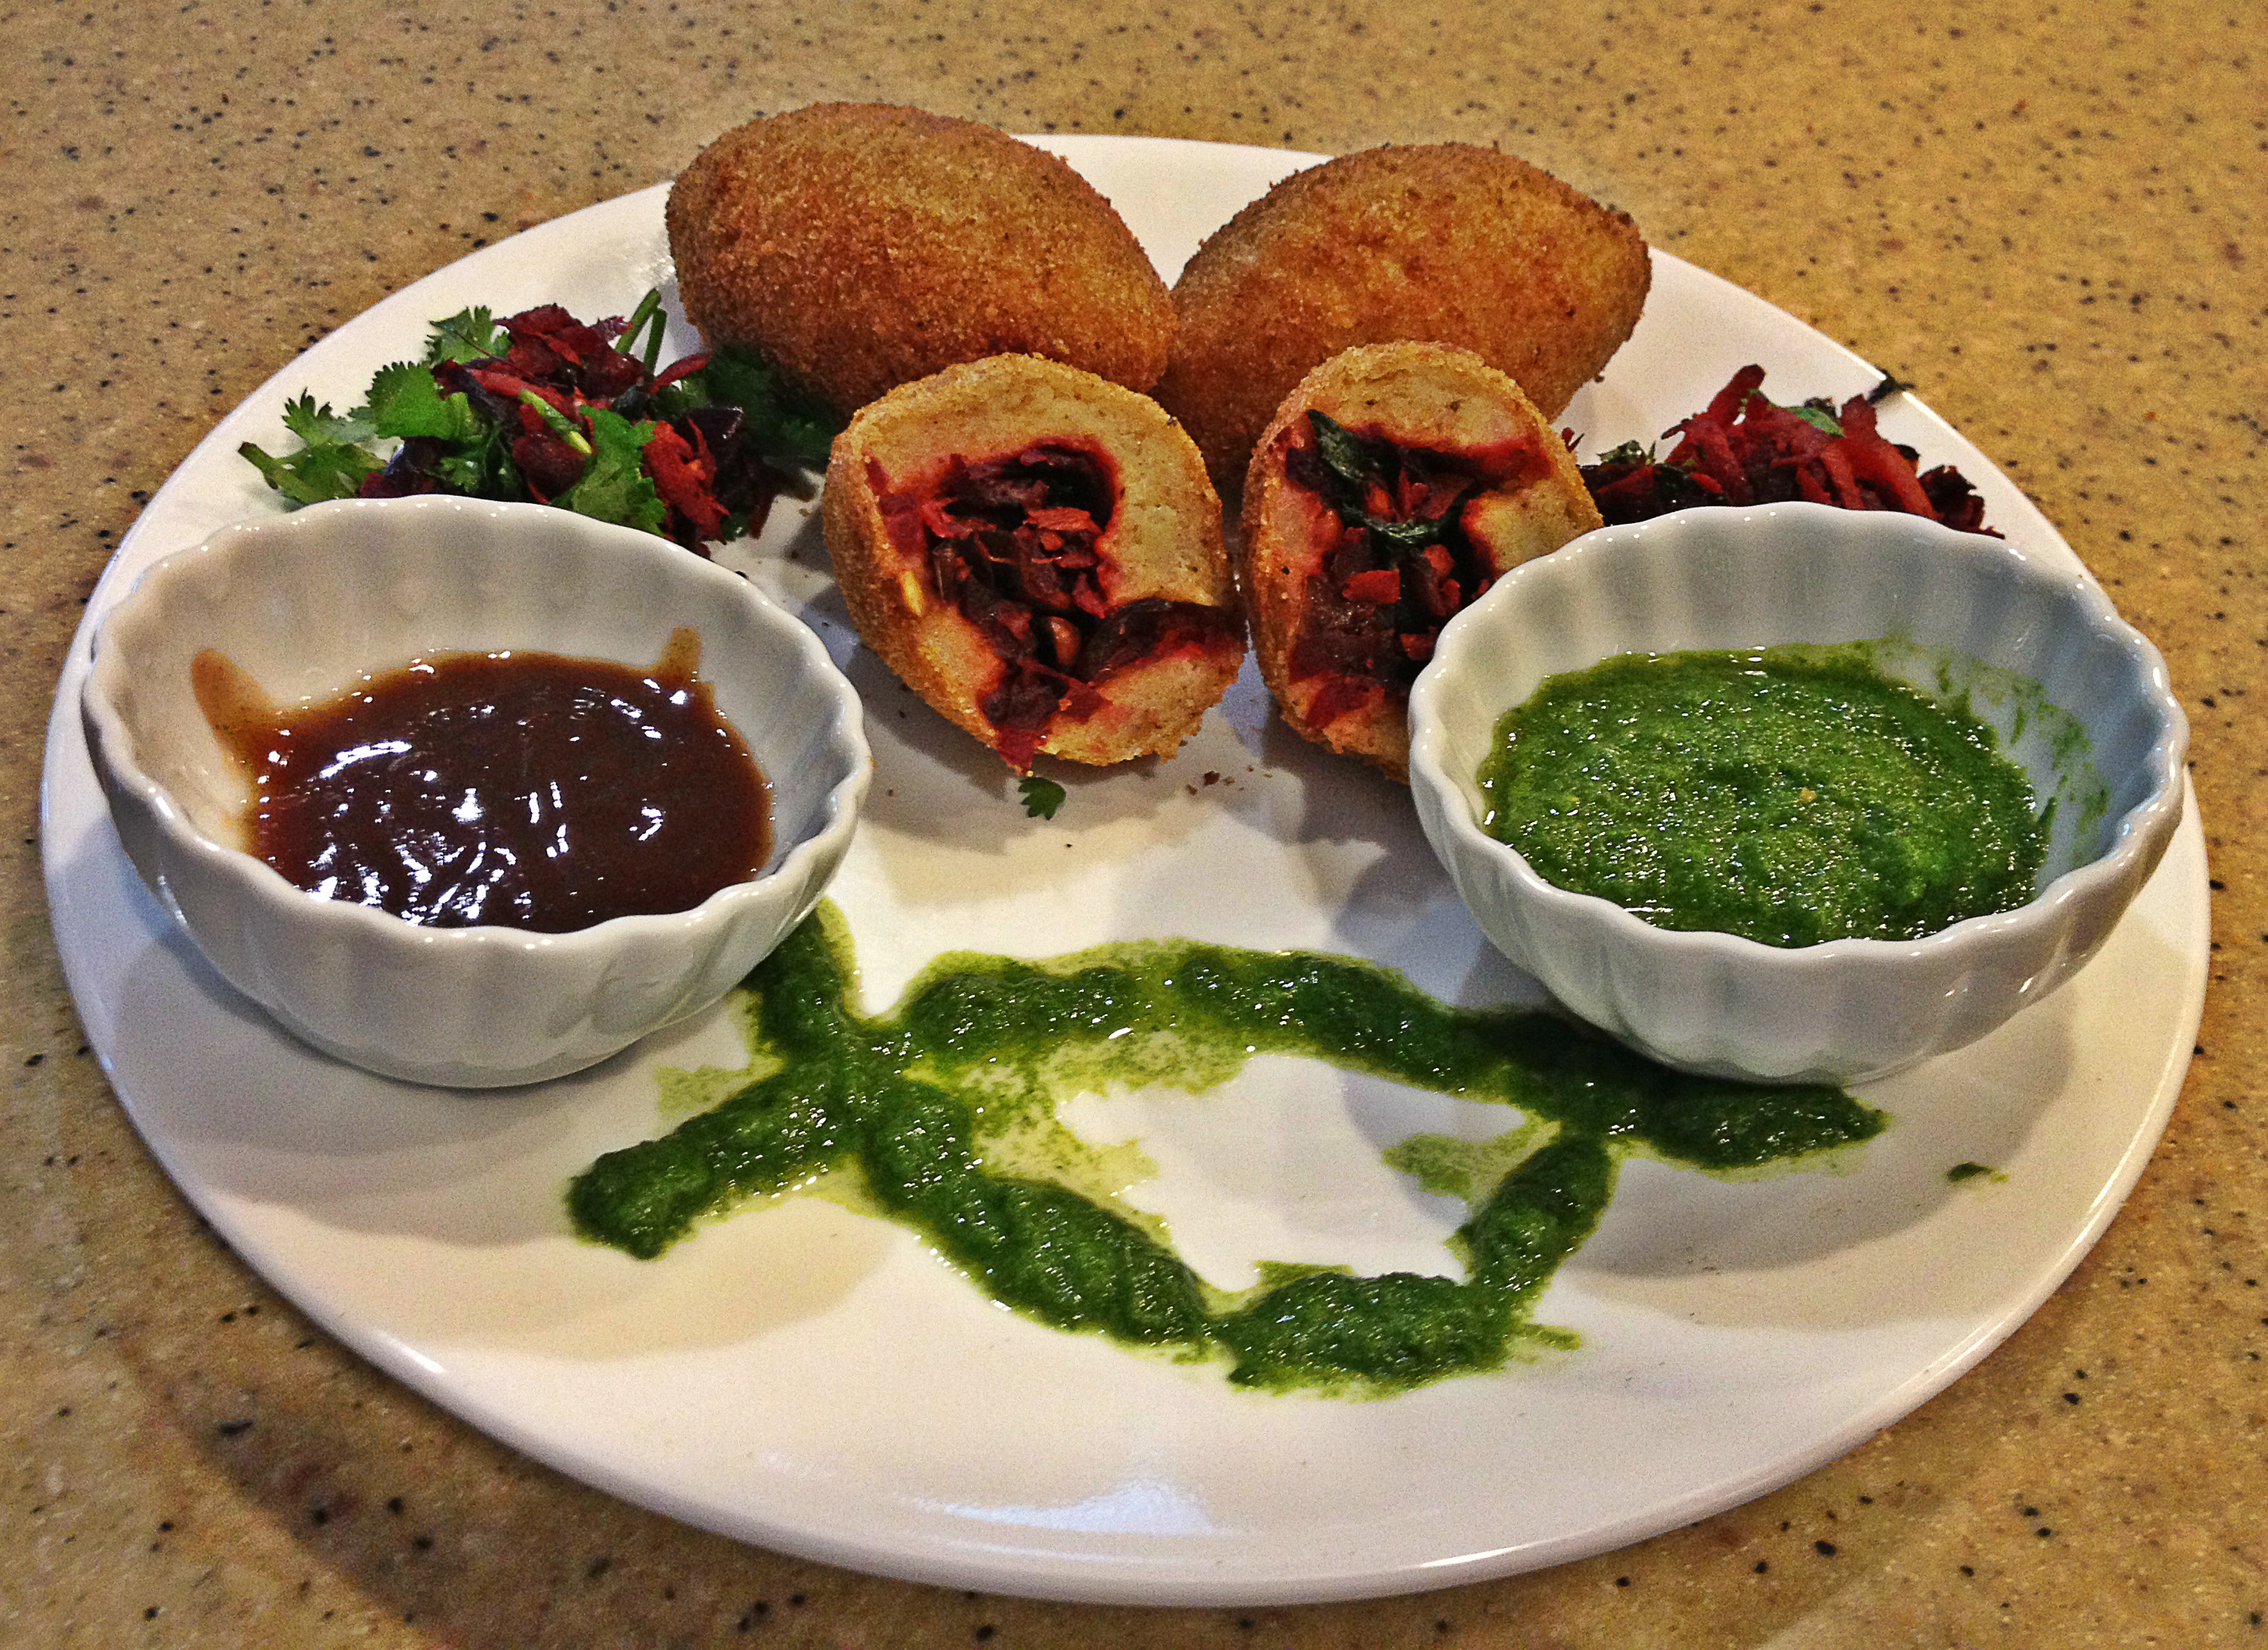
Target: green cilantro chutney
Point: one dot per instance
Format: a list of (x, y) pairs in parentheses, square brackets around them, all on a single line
[(942, 1112), (1793, 795)]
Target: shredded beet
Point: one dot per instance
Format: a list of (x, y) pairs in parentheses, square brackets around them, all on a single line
[(684, 471), (547, 463), (1014, 544), (1745, 449), (1396, 562)]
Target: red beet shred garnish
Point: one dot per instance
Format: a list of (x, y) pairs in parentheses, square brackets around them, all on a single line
[(1745, 449), (1014, 544)]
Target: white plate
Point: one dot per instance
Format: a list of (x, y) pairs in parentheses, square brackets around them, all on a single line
[(817, 1382)]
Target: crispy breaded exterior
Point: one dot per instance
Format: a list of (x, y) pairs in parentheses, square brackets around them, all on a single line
[(862, 245), (1443, 242), (1163, 541), (1420, 396)]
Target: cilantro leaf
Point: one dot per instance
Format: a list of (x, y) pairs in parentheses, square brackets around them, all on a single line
[(1818, 418), (470, 335), (480, 466), (405, 401), (1351, 472), (1632, 452), (1414, 533), (315, 475), (318, 426), (613, 487), (1042, 797), (333, 461), (1340, 453), (786, 424)]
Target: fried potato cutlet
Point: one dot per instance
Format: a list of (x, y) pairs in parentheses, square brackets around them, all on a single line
[(1447, 243), (862, 245), (1394, 484), (1037, 552)]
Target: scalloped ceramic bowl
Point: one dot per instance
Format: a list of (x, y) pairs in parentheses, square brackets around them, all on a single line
[(307, 602), (1964, 614)]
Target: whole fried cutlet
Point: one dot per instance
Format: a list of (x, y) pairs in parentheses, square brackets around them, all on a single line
[(862, 245), (1447, 243)]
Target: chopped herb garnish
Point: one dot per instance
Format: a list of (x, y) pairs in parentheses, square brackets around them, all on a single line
[(1357, 477), (470, 335), (541, 407), (1042, 797), (1340, 453)]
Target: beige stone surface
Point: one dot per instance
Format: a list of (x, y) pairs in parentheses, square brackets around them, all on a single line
[(2050, 216)]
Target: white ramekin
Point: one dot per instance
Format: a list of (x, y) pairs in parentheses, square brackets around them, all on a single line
[(1849, 1009), (307, 602)]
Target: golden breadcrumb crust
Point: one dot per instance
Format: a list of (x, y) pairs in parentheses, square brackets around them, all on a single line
[(1418, 396), (1448, 243), (862, 245), (1163, 540)]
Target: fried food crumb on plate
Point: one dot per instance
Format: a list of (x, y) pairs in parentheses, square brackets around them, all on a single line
[(1037, 552), (861, 246), (1447, 243), (1394, 484)]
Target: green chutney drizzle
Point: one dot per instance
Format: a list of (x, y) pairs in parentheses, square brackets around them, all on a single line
[(1793, 795), (923, 1105)]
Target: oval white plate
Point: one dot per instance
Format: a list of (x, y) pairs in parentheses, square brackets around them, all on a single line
[(815, 1382)]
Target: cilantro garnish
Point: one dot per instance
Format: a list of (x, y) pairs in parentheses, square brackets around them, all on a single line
[(470, 335), (405, 401), (1042, 797), (1353, 474), (332, 464), (317, 427), (1632, 453), (544, 408), (615, 487), (789, 426), (1340, 453)]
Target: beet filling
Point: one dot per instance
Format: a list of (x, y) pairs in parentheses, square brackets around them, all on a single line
[(1015, 543), (1396, 562)]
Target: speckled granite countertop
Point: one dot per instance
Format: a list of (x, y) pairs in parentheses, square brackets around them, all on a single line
[(2049, 218)]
